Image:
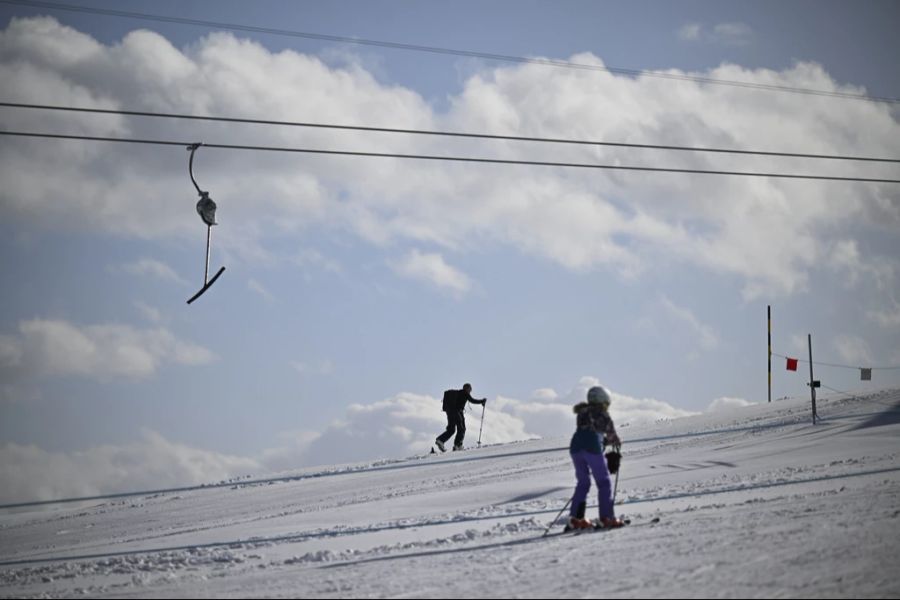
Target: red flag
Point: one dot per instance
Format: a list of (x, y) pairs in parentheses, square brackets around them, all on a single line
[(792, 364)]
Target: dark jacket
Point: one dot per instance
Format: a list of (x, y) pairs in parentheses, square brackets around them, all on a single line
[(595, 428), (455, 400)]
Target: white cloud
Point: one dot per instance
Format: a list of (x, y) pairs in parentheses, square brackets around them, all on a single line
[(538, 419), (322, 367), (860, 271), (406, 424), (544, 418), (11, 352), (258, 288), (310, 258), (151, 313), (766, 232), (544, 395), (889, 316), (729, 34), (290, 451), (735, 34), (431, 268), (396, 427), (48, 347), (726, 404), (853, 350), (704, 334), (148, 267), (626, 409), (799, 343), (30, 473), (853, 265), (690, 32)]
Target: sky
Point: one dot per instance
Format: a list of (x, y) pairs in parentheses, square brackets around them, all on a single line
[(357, 289)]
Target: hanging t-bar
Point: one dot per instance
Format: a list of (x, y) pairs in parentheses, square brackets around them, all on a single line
[(206, 208)]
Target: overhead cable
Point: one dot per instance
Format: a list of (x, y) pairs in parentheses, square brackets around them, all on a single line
[(445, 51), (458, 134), (825, 364), (465, 159)]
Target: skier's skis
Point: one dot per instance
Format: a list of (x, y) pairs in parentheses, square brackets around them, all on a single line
[(596, 527), (445, 451)]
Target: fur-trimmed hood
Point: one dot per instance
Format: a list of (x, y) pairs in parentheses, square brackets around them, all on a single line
[(583, 407)]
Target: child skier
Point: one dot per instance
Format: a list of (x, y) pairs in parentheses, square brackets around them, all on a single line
[(595, 428)]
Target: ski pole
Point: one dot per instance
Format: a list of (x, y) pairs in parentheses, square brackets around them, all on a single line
[(482, 425), (546, 531), (616, 488)]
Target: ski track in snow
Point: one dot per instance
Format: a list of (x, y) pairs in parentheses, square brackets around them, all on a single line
[(756, 502)]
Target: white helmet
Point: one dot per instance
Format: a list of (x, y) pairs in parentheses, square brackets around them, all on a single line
[(598, 395)]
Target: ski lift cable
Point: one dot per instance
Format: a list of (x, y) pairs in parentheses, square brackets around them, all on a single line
[(444, 51), (459, 134), (825, 364), (463, 159)]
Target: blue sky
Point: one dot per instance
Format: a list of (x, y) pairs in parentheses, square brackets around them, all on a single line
[(358, 289)]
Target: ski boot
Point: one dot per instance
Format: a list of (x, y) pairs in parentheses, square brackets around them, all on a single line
[(609, 523), (574, 524), (440, 445)]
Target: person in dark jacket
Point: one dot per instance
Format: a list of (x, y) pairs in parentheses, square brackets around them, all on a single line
[(595, 428), (455, 407)]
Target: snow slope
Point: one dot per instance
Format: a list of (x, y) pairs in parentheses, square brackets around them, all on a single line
[(755, 502)]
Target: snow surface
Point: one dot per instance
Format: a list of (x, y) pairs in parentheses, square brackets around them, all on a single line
[(753, 502)]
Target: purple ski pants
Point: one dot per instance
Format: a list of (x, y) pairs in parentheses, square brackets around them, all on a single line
[(587, 463)]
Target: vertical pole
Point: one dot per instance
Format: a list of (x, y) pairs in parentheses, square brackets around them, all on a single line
[(812, 382), (482, 426), (616, 488), (208, 238), (770, 352)]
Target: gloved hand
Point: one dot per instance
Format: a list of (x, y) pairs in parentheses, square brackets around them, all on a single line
[(613, 459)]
